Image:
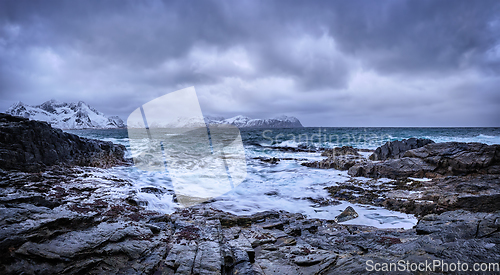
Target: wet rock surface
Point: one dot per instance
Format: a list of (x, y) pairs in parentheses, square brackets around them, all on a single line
[(396, 149), (340, 158), (80, 220), (75, 221), (413, 196), (348, 214), (29, 145), (396, 160), (435, 160)]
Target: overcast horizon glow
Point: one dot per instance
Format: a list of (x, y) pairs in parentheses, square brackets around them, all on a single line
[(328, 63)]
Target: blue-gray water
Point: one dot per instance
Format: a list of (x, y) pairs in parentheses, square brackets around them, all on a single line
[(331, 137), (288, 185)]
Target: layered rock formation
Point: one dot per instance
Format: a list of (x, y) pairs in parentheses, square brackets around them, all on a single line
[(29, 145), (340, 158), (435, 159), (415, 158), (75, 222), (396, 149)]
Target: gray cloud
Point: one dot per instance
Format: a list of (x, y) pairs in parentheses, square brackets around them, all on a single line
[(330, 63)]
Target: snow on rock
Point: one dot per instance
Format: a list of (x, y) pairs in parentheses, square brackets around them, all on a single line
[(66, 115), (246, 122)]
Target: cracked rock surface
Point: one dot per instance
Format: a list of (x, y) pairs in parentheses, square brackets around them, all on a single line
[(68, 223)]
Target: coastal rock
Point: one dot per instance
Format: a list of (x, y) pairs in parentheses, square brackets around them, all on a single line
[(435, 159), (396, 149), (475, 193), (340, 158), (348, 214), (339, 162), (458, 158), (95, 231), (340, 151), (29, 145), (393, 168)]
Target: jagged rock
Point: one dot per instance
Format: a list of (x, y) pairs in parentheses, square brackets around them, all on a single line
[(460, 225), (340, 151), (435, 159), (340, 158), (342, 162), (476, 193), (348, 214), (29, 145), (313, 259), (393, 168), (396, 149), (458, 158)]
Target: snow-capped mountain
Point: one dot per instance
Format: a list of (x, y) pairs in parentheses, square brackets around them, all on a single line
[(66, 115), (246, 122)]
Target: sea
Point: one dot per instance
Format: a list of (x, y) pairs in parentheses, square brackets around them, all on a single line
[(287, 185)]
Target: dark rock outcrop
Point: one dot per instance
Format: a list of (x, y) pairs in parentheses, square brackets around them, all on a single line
[(435, 159), (348, 214), (475, 193), (28, 145), (396, 149), (458, 158), (341, 158), (340, 151)]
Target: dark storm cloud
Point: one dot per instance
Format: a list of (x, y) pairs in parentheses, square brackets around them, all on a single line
[(414, 37), (336, 63)]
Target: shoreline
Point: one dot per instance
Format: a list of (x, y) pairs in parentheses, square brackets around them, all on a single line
[(68, 218)]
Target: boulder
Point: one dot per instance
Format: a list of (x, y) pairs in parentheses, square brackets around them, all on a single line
[(396, 149), (348, 214)]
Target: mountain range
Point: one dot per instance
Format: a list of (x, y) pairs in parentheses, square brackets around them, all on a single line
[(82, 116), (246, 122), (66, 115)]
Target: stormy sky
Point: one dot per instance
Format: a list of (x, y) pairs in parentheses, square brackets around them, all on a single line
[(329, 63)]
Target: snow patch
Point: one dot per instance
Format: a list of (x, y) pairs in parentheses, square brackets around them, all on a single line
[(66, 115)]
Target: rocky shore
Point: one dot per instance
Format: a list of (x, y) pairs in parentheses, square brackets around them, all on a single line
[(31, 146), (61, 213), (68, 222), (415, 158)]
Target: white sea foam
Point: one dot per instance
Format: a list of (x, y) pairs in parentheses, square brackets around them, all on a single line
[(286, 185), (486, 139)]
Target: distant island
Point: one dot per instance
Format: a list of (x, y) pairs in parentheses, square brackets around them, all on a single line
[(246, 122), (80, 115)]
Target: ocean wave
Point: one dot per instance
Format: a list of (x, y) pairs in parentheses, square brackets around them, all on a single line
[(481, 138)]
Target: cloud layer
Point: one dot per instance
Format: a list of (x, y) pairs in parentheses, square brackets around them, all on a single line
[(329, 63)]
